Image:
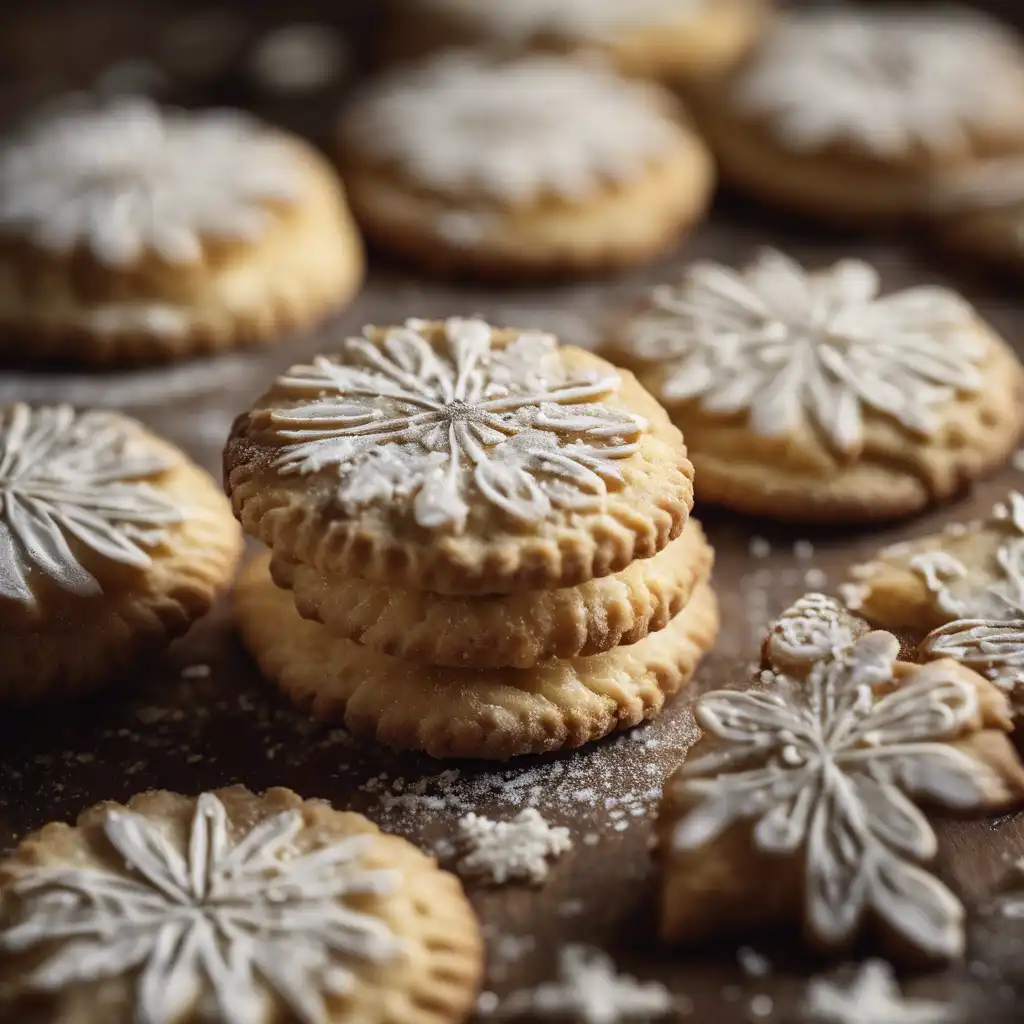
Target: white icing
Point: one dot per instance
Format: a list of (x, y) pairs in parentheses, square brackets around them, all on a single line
[(402, 423), (991, 648), (128, 179), (592, 991), (78, 478), (786, 347), (888, 82), (510, 851), (873, 997), (522, 20), (814, 628), (993, 592), (824, 769), (232, 923), (511, 130)]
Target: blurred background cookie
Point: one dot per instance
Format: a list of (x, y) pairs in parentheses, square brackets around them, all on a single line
[(809, 396), (670, 40), (848, 113), (128, 232), (532, 167)]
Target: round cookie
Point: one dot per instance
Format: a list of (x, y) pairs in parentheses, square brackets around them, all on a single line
[(534, 167), (807, 396), (232, 907), (459, 458), (111, 544), (131, 233), (849, 113), (969, 571), (450, 712), (671, 40), (513, 630)]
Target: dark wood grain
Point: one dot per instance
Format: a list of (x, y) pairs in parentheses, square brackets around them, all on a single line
[(157, 729)]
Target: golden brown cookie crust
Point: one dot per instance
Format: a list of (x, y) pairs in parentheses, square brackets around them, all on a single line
[(492, 714), (298, 517), (615, 227), (435, 983), (516, 630), (308, 261), (70, 643), (796, 478)]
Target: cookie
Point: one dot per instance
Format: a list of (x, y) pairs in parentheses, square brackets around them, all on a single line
[(131, 233), (808, 395), (111, 544), (506, 631), (815, 782), (813, 629), (459, 458), (969, 571), (662, 39), (848, 113), (232, 907), (449, 712), (533, 167), (979, 213)]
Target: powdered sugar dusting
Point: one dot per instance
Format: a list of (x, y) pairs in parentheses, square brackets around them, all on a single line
[(510, 851)]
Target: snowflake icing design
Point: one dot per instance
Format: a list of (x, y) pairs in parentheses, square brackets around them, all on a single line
[(888, 82), (788, 347), (401, 420), (993, 593), (993, 649), (511, 130), (826, 766), (68, 476), (231, 922), (127, 179), (510, 851)]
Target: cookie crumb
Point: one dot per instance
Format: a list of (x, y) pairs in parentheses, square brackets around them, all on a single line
[(510, 851), (759, 547), (761, 1006), (816, 579), (195, 672), (487, 1003), (752, 963), (299, 59)]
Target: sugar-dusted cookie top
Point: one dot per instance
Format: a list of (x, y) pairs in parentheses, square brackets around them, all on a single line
[(458, 457), (895, 85), (795, 384), (511, 131), (232, 907), (819, 780), (129, 180)]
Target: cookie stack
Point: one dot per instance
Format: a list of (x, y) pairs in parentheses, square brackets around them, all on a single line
[(479, 540)]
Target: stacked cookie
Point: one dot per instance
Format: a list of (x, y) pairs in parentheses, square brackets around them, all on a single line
[(479, 540)]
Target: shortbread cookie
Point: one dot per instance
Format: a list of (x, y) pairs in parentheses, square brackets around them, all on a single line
[(512, 630), (848, 113), (111, 544), (671, 40), (232, 908), (459, 458), (132, 233), (815, 628), (979, 213), (805, 395), (969, 571), (532, 167), (451, 712), (812, 782)]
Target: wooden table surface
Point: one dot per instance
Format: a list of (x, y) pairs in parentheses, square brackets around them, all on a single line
[(194, 731)]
